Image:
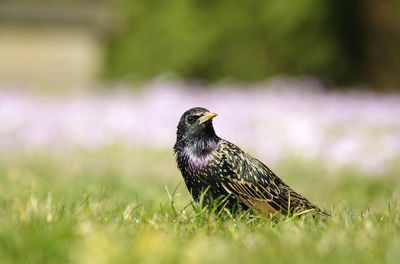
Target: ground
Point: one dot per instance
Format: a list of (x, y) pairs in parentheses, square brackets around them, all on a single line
[(124, 204)]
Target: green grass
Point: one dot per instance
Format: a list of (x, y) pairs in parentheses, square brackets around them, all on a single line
[(118, 205)]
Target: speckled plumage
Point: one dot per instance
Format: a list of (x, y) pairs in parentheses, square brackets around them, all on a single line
[(207, 161)]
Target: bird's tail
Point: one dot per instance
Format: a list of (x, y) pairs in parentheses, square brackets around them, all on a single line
[(320, 212)]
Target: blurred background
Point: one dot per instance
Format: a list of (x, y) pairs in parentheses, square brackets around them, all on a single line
[(91, 93), (292, 82), (72, 43)]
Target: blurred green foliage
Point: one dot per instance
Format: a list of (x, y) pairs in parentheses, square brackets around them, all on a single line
[(344, 42), (245, 40)]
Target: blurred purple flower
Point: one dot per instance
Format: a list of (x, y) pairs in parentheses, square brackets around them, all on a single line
[(273, 120)]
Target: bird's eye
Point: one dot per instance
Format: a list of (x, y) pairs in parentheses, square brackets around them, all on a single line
[(192, 119)]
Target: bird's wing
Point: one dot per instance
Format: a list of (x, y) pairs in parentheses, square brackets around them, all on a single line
[(253, 197), (255, 185)]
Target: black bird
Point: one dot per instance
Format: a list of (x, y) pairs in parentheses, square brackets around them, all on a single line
[(209, 162)]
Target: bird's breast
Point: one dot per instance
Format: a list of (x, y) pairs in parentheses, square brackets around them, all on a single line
[(198, 160)]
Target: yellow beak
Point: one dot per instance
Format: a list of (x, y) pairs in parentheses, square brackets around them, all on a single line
[(207, 117)]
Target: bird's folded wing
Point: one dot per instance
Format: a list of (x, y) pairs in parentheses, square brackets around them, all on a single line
[(255, 196), (256, 186)]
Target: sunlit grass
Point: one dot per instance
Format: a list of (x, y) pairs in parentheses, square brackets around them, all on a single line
[(126, 205)]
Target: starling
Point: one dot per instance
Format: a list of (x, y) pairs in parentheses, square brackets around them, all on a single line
[(210, 163)]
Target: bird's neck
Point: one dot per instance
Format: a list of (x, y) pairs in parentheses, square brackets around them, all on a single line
[(197, 153), (197, 146)]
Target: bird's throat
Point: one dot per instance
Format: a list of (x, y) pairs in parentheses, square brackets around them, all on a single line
[(199, 153)]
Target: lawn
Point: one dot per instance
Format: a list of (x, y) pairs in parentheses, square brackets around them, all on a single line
[(123, 204)]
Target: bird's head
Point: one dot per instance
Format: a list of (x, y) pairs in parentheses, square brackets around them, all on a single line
[(196, 123)]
